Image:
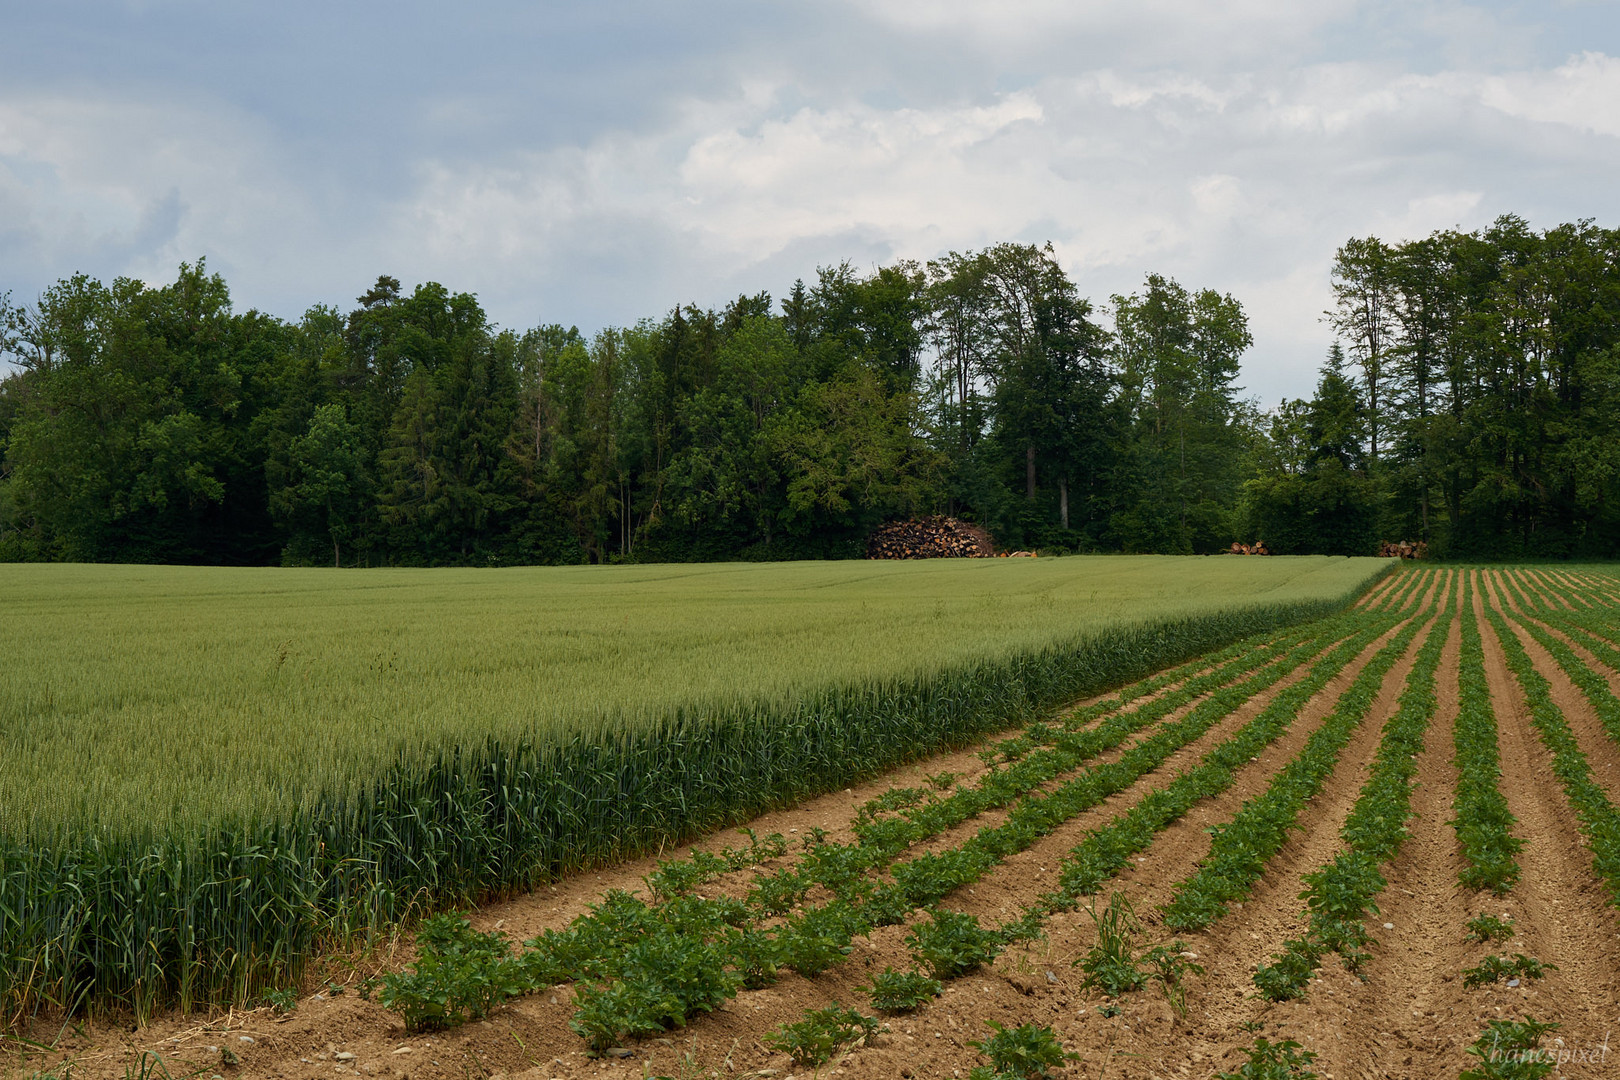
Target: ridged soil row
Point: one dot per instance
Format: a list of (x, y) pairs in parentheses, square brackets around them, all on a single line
[(1579, 647), (1557, 905), (1552, 597), (935, 1031), (997, 897), (1231, 949), (1573, 594), (1411, 1017), (1041, 976), (1579, 593), (1219, 731), (1038, 981), (1376, 595), (1603, 592), (1412, 1006), (1602, 752)]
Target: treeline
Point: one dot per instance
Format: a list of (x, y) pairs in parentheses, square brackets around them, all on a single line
[(1469, 408), (1474, 404)]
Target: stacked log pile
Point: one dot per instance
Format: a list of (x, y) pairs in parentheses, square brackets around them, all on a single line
[(1404, 549), (930, 538), (1256, 548)]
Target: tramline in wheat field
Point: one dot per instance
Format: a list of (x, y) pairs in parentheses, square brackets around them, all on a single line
[(1378, 842)]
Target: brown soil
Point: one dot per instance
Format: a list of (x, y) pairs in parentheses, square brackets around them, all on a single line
[(1601, 752), (1558, 906), (1411, 1017), (1378, 593)]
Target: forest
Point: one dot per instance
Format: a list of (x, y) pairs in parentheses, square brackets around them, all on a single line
[(1470, 399)]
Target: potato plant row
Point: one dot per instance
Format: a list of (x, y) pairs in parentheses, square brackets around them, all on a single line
[(1104, 852), (1242, 847), (1599, 819), (1341, 894), (1483, 822)]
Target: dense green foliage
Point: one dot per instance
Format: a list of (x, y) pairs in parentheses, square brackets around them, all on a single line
[(1025, 1052), (1473, 405), (1482, 415), (822, 1033), (148, 424), (1512, 1050)]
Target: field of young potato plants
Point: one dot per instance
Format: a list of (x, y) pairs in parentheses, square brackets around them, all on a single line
[(1384, 843), (206, 775)]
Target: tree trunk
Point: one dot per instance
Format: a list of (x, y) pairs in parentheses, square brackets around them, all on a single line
[(1063, 500), (1029, 461), (337, 563)]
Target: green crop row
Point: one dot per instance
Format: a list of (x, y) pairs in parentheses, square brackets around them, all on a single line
[(1599, 819), (1394, 593), (1578, 629), (1483, 822), (928, 878), (1340, 895), (1242, 847), (1106, 850), (1040, 753)]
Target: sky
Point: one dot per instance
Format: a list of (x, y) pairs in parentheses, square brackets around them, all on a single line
[(596, 164)]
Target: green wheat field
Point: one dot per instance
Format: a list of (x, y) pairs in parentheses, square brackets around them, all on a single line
[(205, 773)]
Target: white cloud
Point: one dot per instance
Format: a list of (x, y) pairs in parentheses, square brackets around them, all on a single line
[(1583, 93), (134, 188), (1187, 30)]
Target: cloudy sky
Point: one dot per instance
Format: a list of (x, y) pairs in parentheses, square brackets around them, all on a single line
[(596, 163)]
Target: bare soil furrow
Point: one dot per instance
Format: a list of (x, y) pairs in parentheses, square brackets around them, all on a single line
[(1600, 750), (1412, 1003), (1379, 593), (1218, 732), (1250, 935), (1559, 907), (1003, 892)]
